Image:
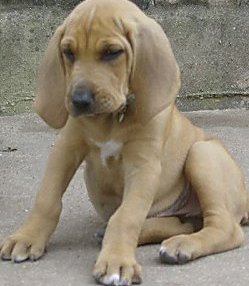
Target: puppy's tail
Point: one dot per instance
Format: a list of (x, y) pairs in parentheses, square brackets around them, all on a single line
[(245, 218)]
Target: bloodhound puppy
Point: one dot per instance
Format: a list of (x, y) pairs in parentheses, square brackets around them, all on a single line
[(109, 80)]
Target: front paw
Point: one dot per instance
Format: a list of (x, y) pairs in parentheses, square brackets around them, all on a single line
[(20, 247), (117, 269)]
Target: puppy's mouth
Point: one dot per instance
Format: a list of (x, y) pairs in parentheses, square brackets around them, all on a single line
[(95, 108), (129, 99), (82, 101)]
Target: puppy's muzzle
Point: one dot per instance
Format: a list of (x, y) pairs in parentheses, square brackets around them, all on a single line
[(82, 100)]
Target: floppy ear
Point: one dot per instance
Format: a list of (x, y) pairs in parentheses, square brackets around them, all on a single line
[(50, 98), (155, 76)]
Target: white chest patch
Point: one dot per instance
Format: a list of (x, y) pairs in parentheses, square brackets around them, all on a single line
[(109, 149)]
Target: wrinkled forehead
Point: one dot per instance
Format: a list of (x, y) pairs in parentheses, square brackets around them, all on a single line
[(89, 23)]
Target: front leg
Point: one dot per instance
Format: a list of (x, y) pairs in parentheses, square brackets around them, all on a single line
[(30, 240), (116, 264)]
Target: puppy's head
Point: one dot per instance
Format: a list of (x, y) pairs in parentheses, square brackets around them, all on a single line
[(104, 50)]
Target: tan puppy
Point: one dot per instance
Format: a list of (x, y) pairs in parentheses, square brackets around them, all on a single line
[(109, 80)]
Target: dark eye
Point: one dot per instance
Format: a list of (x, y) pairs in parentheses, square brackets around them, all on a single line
[(69, 55), (110, 54)]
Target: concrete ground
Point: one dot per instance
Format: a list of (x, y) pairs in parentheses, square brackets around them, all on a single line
[(24, 144)]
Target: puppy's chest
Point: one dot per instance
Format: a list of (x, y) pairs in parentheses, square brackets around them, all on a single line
[(107, 151)]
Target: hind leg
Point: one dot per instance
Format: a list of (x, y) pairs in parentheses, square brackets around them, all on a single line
[(156, 229), (218, 183)]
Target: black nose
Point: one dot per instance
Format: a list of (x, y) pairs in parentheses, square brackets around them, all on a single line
[(82, 99)]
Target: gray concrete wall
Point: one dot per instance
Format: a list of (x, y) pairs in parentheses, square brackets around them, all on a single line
[(210, 39)]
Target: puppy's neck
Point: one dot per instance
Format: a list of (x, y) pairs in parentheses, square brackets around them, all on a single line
[(121, 113)]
